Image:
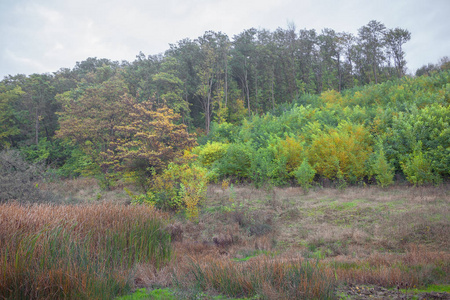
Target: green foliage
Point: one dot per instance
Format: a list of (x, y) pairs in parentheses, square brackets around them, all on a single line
[(211, 152), (9, 123), (180, 186), (277, 161), (429, 126), (336, 131), (305, 174), (157, 294), (147, 198), (382, 169), (264, 167), (223, 132), (77, 163), (237, 161), (259, 131), (418, 168), (129, 121), (62, 158)]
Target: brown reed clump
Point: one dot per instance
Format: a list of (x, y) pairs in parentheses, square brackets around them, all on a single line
[(82, 252), (262, 276), (417, 267)]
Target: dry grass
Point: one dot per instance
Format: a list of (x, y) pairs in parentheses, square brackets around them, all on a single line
[(84, 190), (250, 242), (418, 267), (82, 252), (262, 276), (360, 236)]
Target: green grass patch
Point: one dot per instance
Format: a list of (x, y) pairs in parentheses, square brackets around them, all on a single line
[(340, 206), (438, 288), (158, 294)]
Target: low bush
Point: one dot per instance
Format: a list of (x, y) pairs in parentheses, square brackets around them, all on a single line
[(305, 174), (211, 152), (381, 168), (237, 161), (418, 169), (179, 187), (341, 153), (19, 180)]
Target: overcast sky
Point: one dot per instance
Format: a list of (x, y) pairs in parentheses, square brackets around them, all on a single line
[(38, 36)]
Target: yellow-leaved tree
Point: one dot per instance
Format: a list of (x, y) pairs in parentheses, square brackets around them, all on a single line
[(150, 139), (341, 152)]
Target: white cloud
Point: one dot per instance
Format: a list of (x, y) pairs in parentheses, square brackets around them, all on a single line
[(25, 62), (42, 36)]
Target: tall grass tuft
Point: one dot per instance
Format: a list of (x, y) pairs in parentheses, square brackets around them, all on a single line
[(262, 277), (77, 252)]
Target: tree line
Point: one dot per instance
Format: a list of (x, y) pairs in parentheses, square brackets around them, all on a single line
[(213, 77)]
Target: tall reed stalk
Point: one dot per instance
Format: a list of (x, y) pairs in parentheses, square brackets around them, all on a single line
[(77, 252), (265, 277)]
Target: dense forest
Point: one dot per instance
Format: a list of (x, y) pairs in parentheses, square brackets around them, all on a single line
[(286, 106)]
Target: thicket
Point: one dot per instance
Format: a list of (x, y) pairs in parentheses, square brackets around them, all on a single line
[(367, 134), (18, 180)]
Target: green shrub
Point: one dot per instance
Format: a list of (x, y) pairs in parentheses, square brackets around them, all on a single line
[(429, 126), (418, 169), (211, 152), (223, 132), (180, 186), (237, 161), (305, 174), (264, 168), (382, 169)]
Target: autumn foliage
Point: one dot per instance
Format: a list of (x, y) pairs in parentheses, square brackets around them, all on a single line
[(149, 140), (122, 135), (341, 152)]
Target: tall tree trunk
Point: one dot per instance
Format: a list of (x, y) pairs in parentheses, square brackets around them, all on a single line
[(339, 72), (248, 93), (273, 97), (226, 83), (37, 126), (256, 87), (374, 68), (208, 111)]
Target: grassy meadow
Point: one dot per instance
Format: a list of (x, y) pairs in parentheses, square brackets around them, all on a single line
[(247, 243)]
